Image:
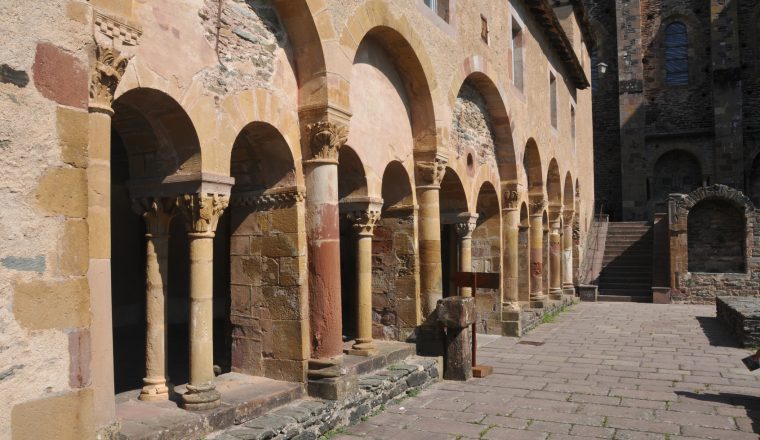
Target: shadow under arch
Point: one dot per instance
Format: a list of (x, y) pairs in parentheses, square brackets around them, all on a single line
[(533, 170), (453, 204), (486, 257)]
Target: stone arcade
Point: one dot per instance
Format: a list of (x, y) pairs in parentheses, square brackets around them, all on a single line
[(274, 193)]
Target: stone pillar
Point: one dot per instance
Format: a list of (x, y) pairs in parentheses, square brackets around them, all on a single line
[(457, 314), (567, 255), (364, 225), (465, 226), (323, 239), (201, 213), (429, 177), (157, 213), (510, 220), (537, 296), (555, 278)]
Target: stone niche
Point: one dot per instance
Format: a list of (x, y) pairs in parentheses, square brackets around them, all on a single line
[(712, 242)]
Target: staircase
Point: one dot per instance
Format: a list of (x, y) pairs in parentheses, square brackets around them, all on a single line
[(627, 265)]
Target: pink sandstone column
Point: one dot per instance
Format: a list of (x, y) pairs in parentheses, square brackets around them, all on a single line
[(364, 225), (201, 213), (157, 213), (323, 238), (465, 227), (429, 177), (555, 243), (510, 220), (537, 296)]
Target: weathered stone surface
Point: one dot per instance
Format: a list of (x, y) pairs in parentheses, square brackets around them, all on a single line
[(741, 315), (60, 76), (42, 305), (64, 416)]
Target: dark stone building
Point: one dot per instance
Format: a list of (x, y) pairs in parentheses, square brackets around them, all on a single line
[(679, 104)]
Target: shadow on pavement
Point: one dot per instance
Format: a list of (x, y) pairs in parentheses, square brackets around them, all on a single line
[(750, 403), (717, 333)]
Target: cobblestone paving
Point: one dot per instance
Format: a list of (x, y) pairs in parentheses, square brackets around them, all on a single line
[(605, 370)]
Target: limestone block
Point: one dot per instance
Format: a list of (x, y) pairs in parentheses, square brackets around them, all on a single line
[(270, 271), (283, 302), (290, 340), (73, 248), (66, 416), (63, 191), (456, 311), (245, 270), (60, 76), (240, 300), (286, 369), (240, 245), (72, 126), (41, 305), (292, 271), (284, 220), (283, 245)]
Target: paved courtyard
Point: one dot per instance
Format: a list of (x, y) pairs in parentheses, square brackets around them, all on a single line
[(601, 370)]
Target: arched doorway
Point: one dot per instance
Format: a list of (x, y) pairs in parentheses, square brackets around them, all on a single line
[(453, 211), (676, 171), (486, 257)]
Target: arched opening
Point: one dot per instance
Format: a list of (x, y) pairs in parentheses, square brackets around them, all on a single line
[(676, 54), (352, 191), (258, 238), (554, 187), (486, 257), (151, 138), (532, 167), (716, 237), (395, 265), (523, 252), (453, 205), (676, 171)]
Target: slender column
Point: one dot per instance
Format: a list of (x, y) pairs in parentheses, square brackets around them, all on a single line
[(201, 213), (157, 213), (555, 243), (323, 238), (567, 255), (364, 225), (430, 174), (537, 296), (510, 216), (465, 227), (524, 261)]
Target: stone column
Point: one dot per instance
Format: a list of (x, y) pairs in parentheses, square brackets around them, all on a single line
[(201, 213), (510, 216), (567, 255), (323, 239), (364, 225), (537, 296), (465, 226), (157, 213), (429, 177), (555, 277)]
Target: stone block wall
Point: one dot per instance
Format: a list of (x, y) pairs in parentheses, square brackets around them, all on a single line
[(268, 307), (395, 277)]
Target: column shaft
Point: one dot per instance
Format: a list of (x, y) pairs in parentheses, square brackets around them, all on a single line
[(157, 277), (536, 258), (323, 237), (567, 255), (465, 261), (431, 273), (510, 243), (555, 284), (364, 345)]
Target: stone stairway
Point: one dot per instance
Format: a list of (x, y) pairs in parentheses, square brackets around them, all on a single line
[(627, 266)]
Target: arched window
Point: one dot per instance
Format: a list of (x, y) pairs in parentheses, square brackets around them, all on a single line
[(676, 54)]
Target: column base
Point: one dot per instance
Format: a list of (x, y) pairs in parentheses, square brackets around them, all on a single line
[(568, 290), (538, 300), (555, 293), (362, 347), (154, 390), (325, 368), (201, 397)]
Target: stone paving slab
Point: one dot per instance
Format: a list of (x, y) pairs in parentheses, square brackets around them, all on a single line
[(605, 371)]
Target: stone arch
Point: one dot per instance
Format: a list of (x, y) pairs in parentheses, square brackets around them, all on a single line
[(533, 169), (569, 193), (395, 261), (675, 171), (478, 73), (486, 256), (554, 188), (159, 136), (714, 200), (453, 205), (394, 33), (453, 196)]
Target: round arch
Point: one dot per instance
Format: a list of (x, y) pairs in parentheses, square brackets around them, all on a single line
[(569, 193), (533, 169)]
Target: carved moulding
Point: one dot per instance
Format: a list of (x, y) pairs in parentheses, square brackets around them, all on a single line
[(276, 198), (157, 213)]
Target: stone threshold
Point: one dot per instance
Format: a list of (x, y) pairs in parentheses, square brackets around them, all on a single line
[(243, 398), (309, 419)]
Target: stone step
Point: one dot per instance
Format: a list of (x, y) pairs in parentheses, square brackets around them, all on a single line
[(607, 297), (645, 286)]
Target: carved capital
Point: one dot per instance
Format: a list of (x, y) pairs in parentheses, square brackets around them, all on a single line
[(364, 220), (511, 199), (431, 172), (202, 211), (466, 225), (567, 216), (157, 213), (537, 206), (326, 139), (109, 68)]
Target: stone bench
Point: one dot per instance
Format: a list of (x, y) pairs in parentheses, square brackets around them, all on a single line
[(742, 316)]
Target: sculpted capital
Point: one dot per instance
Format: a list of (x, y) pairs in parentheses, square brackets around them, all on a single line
[(109, 68), (326, 139), (202, 211), (466, 226), (157, 213), (510, 199), (431, 172), (537, 206), (364, 220)]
